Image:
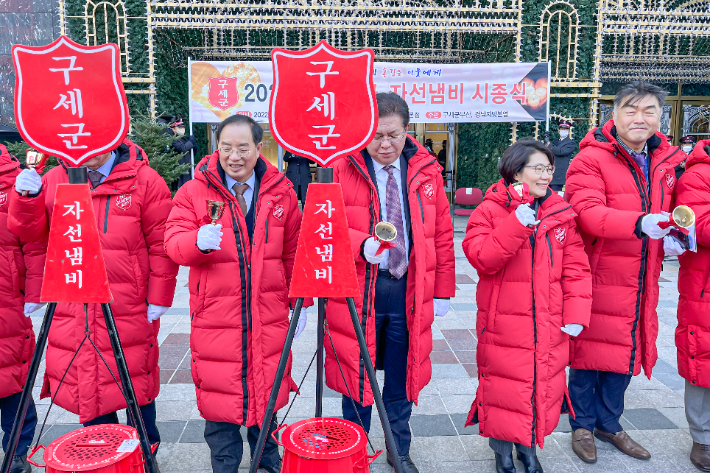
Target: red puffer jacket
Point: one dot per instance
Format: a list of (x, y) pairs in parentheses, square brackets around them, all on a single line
[(431, 270), (532, 283), (239, 294), (131, 207), (609, 193), (20, 281), (692, 336)]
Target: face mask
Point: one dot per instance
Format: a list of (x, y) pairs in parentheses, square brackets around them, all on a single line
[(564, 134), (687, 149)]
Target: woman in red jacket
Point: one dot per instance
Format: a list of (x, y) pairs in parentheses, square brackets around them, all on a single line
[(20, 284), (534, 294), (692, 336)]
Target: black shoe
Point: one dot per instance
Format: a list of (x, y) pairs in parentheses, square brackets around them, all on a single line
[(406, 461), (20, 465), (270, 469), (530, 462), (504, 464)]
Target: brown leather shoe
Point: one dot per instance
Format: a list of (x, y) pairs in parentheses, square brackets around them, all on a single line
[(624, 443), (583, 445), (700, 456)]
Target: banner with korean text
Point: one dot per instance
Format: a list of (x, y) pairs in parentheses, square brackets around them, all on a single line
[(436, 93)]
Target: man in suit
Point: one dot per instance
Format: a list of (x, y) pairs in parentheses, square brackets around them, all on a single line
[(563, 149), (394, 179)]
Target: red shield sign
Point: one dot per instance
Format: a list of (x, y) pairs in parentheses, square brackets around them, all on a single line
[(323, 101), (223, 92), (69, 99)]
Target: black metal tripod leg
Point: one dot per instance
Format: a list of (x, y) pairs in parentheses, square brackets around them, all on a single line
[(320, 369), (373, 384), (131, 401), (269, 414), (27, 388)]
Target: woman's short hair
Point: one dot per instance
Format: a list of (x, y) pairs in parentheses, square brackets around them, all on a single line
[(517, 156)]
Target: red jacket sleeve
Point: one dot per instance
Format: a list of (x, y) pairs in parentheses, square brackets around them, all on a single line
[(488, 249), (576, 281), (181, 231), (292, 231), (357, 238), (585, 189), (27, 216), (163, 271), (445, 278), (34, 255), (692, 190)]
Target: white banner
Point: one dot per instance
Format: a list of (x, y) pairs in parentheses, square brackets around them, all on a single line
[(436, 93)]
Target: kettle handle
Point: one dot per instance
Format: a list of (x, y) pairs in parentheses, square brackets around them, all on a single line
[(368, 461), (29, 457), (273, 434)]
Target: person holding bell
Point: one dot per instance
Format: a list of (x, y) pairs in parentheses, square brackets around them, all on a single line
[(534, 293), (241, 262)]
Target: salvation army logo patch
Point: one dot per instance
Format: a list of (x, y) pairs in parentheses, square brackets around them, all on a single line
[(670, 180), (428, 191), (560, 235), (123, 202), (3, 198), (279, 212)]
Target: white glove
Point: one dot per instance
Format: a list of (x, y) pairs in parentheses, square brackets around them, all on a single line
[(209, 237), (28, 181), (526, 215), (371, 247), (31, 307), (155, 311), (649, 225), (672, 247), (302, 319), (441, 307), (572, 329)]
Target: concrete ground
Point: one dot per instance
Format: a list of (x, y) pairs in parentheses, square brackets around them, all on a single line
[(654, 414)]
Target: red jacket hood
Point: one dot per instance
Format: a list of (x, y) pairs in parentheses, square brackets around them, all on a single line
[(208, 172), (7, 161), (551, 203), (700, 154), (605, 138)]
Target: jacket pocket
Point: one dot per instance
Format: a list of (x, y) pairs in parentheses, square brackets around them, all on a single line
[(596, 253)]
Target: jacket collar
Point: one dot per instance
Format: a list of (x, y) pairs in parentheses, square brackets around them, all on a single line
[(211, 173), (7, 161), (417, 157), (550, 204), (131, 158)]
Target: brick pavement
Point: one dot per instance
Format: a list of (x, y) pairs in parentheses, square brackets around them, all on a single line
[(654, 412)]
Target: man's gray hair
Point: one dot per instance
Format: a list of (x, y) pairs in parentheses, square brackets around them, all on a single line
[(635, 91)]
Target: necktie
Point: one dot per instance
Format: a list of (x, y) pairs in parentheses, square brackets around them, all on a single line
[(95, 178), (397, 256), (239, 190)]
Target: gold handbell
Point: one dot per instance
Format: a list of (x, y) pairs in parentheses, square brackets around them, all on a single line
[(683, 216), (215, 209), (34, 158), (385, 231), (518, 186)]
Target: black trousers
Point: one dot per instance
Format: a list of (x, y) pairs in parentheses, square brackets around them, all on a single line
[(597, 399), (301, 190), (147, 413), (392, 351), (8, 410), (226, 445)]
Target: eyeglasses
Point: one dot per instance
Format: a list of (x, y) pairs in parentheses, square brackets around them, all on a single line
[(391, 138), (241, 153), (540, 168)]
